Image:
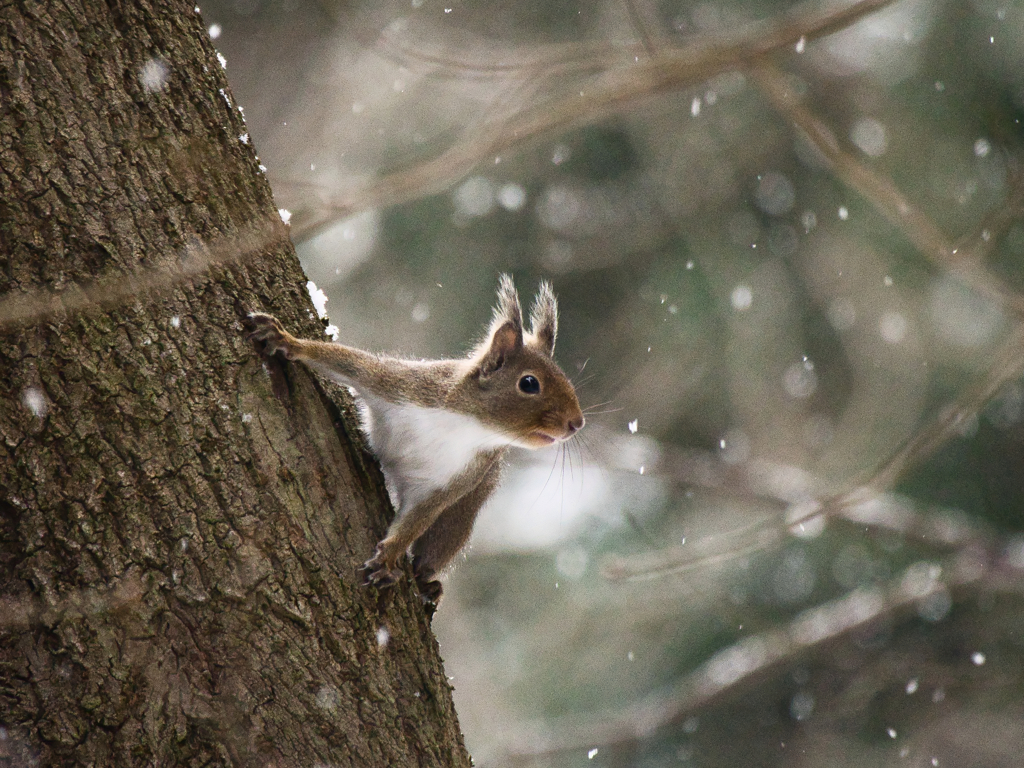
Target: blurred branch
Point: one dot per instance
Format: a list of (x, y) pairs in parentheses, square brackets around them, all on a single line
[(1008, 365), (975, 246), (963, 261), (804, 497), (24, 613), (641, 27), (743, 663), (701, 553), (619, 81), (810, 20), (890, 202), (863, 504), (124, 284)]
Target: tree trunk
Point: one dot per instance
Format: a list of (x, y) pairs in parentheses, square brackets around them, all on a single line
[(180, 521)]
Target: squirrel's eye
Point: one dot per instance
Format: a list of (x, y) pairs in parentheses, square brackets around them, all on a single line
[(529, 385)]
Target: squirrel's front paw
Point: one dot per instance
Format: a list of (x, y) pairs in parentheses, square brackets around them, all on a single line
[(269, 331)]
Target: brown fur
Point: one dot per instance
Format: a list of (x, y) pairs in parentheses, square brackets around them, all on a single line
[(486, 386)]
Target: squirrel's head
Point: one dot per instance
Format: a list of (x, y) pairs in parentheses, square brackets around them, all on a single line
[(514, 379)]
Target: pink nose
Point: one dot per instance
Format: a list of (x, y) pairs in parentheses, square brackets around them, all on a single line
[(575, 425)]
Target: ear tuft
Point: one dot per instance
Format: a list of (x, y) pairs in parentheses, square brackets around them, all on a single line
[(508, 309), (544, 318)]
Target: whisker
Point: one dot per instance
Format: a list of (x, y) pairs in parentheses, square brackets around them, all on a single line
[(561, 489), (585, 445), (568, 454), (595, 459), (554, 463), (579, 455), (584, 381), (601, 413)]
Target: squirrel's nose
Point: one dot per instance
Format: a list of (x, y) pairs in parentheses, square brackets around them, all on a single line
[(575, 425)]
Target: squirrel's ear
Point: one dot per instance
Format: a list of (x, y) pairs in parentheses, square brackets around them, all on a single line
[(505, 340), (544, 318), (506, 334)]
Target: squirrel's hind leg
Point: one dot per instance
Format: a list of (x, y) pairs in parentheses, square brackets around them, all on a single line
[(445, 538), (384, 569)]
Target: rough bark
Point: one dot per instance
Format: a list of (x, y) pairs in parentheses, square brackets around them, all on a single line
[(180, 521)]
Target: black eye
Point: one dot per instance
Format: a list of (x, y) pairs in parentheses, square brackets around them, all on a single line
[(529, 385)]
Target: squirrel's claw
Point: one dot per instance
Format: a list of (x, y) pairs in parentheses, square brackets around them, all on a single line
[(267, 330), (264, 326), (375, 573)]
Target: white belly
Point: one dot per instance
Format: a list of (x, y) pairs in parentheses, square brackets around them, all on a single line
[(423, 449)]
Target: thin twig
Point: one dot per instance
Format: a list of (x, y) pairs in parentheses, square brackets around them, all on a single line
[(886, 197), (641, 28), (1008, 365), (617, 86)]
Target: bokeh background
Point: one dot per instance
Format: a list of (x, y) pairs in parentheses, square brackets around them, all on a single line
[(787, 244)]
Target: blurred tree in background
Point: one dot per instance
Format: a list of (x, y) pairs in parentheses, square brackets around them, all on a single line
[(787, 243)]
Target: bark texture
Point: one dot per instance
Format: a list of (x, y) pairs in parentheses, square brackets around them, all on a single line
[(180, 521)]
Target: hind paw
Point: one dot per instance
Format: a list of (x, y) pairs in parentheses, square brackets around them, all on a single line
[(376, 573)]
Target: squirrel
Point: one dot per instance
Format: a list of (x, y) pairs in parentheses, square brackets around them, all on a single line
[(441, 428)]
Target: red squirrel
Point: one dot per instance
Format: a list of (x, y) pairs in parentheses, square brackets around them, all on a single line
[(441, 428)]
